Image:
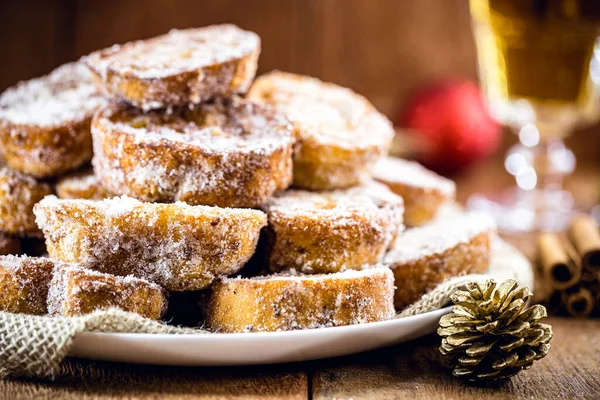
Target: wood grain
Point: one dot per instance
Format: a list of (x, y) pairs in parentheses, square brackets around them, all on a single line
[(29, 33), (381, 48), (414, 371), (385, 49), (409, 371), (99, 380)]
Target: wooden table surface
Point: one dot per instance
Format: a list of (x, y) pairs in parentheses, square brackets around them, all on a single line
[(408, 371), (412, 370)]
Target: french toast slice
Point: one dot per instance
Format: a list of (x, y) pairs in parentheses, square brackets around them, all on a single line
[(424, 257), (18, 195), (179, 68), (229, 153), (24, 283), (177, 246), (423, 190), (286, 302), (331, 231), (81, 185), (341, 135), (45, 122), (74, 291)]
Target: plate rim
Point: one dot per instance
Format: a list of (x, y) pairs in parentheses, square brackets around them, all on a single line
[(216, 336)]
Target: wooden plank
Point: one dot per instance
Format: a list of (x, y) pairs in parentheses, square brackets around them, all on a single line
[(29, 32), (386, 49), (307, 41), (91, 380), (414, 371)]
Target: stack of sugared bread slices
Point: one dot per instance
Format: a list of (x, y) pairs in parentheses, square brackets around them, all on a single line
[(271, 201)]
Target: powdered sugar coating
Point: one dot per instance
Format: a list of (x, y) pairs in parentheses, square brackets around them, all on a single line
[(45, 122), (24, 282), (330, 231), (439, 236), (426, 256), (423, 191), (81, 185), (181, 67), (290, 302), (18, 195), (66, 95), (230, 153), (76, 291), (341, 134), (178, 246), (324, 112), (392, 170)]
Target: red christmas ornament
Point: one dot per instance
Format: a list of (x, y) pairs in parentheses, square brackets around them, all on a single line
[(451, 124)]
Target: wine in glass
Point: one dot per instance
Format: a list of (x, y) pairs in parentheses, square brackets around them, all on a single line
[(539, 72)]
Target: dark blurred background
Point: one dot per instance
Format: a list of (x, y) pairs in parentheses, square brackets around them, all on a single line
[(383, 49)]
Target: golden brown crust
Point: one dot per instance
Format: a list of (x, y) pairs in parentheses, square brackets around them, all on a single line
[(76, 291), (421, 204), (324, 232), (9, 245), (46, 152), (179, 68), (341, 135), (18, 195), (176, 245), (424, 257), (81, 185), (423, 191), (24, 284), (45, 122), (230, 153), (290, 302), (417, 277)]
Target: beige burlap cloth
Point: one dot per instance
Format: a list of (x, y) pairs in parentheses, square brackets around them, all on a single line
[(35, 346)]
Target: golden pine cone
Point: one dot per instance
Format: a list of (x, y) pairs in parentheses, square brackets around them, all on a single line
[(490, 334)]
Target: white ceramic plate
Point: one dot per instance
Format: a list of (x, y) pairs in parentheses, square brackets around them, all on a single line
[(252, 348)]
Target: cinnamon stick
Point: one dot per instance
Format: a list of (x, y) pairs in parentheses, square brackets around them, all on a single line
[(590, 275), (583, 232), (580, 303), (558, 266)]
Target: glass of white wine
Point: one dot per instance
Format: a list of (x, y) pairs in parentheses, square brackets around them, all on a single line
[(539, 67)]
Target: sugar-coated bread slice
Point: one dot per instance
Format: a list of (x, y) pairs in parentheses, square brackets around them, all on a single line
[(18, 195), (76, 291), (178, 246), (45, 122), (230, 153), (81, 185), (24, 283), (341, 135), (179, 68), (330, 231), (423, 190), (290, 302), (9, 245), (424, 257)]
